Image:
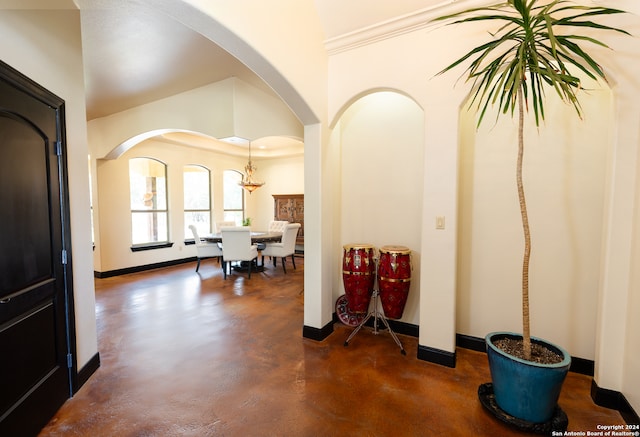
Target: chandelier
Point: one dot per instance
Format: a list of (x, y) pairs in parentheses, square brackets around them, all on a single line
[(247, 181)]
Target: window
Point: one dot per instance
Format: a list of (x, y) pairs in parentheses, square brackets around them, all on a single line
[(233, 197), (149, 215), (197, 199)]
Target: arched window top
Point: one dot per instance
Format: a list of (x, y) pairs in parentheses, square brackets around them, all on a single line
[(146, 162), (196, 167)]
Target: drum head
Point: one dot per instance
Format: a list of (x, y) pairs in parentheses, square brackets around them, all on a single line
[(396, 250), (346, 316), (358, 247)]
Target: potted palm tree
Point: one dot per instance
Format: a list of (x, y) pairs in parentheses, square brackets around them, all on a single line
[(525, 56)]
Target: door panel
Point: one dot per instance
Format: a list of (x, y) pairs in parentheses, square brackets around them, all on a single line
[(35, 378), (25, 235), (28, 365)]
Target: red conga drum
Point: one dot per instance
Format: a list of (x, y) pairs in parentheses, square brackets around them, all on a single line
[(394, 279), (358, 276)]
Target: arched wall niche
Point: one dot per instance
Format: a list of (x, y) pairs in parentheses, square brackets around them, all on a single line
[(348, 104), (380, 136)]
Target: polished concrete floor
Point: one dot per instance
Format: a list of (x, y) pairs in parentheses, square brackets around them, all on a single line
[(190, 354)]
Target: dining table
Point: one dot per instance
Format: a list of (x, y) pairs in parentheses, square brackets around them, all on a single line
[(257, 237)]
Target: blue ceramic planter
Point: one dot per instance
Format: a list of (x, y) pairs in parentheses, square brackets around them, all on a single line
[(523, 389)]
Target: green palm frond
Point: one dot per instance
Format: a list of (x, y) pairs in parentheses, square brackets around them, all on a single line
[(527, 53)]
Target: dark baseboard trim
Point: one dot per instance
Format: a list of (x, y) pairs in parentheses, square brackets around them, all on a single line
[(578, 365), (137, 269), (582, 366), (468, 342), (437, 356), (404, 328), (614, 400), (151, 246), (85, 373), (317, 334), (397, 327)]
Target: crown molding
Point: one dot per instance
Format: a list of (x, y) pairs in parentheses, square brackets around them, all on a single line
[(400, 25)]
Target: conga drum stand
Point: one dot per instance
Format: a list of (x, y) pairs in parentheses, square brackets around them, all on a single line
[(376, 315)]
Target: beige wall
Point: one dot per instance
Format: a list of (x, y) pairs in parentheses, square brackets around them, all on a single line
[(617, 336), (631, 370), (281, 176), (45, 46), (291, 40)]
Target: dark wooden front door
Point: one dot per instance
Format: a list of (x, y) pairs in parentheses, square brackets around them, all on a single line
[(35, 273)]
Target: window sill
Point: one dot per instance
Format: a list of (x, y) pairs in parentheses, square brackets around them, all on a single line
[(150, 246)]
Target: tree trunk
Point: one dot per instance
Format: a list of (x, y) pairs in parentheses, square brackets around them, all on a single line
[(526, 330)]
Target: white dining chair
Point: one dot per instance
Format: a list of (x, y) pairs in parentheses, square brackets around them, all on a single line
[(224, 224), (286, 247), (277, 225), (204, 249), (236, 246)]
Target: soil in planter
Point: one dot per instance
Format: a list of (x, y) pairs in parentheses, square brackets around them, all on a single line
[(539, 353)]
